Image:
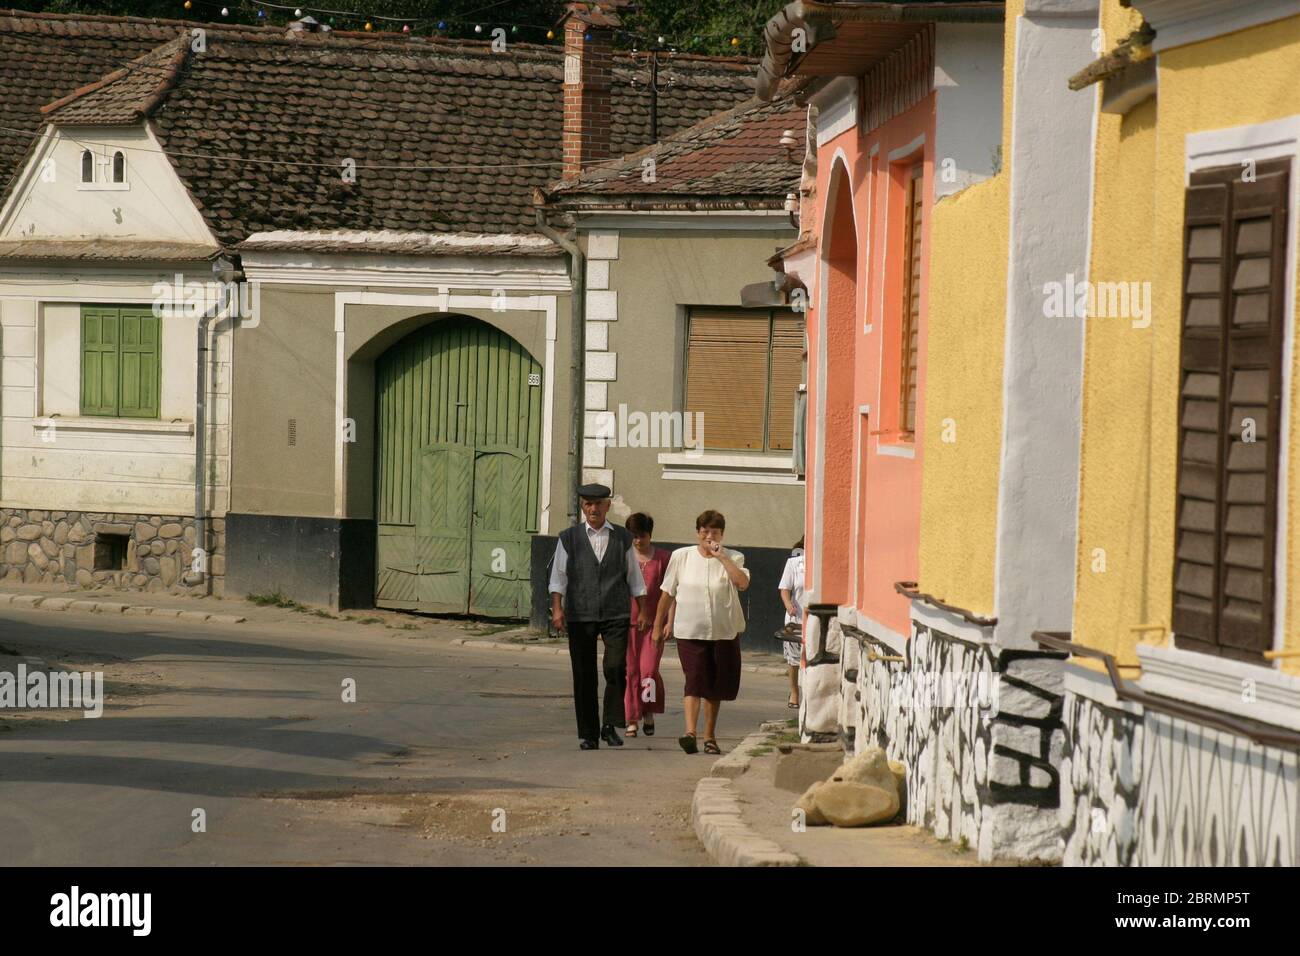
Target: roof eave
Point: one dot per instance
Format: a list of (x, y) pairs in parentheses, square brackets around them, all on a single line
[(819, 19)]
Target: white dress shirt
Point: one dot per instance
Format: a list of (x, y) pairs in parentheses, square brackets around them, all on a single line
[(598, 538), (708, 604)]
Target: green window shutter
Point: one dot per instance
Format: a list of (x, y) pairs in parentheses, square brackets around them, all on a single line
[(99, 361), (138, 361)]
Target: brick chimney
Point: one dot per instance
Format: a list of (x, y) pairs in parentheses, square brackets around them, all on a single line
[(588, 71)]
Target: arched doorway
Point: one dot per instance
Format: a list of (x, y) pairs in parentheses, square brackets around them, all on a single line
[(459, 409), (841, 456)]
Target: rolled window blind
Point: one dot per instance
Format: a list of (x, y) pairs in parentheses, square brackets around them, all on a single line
[(726, 376)]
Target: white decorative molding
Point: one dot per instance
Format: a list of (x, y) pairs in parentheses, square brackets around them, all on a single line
[(441, 302), (953, 625), (837, 104), (602, 306), (685, 221), (598, 274), (602, 366), (724, 466), (1222, 684), (597, 396), (722, 459), (593, 452), (896, 451), (1095, 686), (598, 336), (734, 476), (855, 618), (1179, 22), (602, 244), (129, 426), (903, 152), (509, 273)]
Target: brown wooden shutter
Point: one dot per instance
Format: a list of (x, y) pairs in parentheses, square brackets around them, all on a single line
[(911, 324), (726, 373), (786, 376), (1231, 380)]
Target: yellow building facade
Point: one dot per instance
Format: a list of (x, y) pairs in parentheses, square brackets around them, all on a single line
[(1182, 694)]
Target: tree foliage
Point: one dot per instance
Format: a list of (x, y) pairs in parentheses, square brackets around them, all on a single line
[(691, 26)]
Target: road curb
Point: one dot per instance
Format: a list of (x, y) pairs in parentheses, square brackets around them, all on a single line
[(53, 603), (715, 812), (716, 816)]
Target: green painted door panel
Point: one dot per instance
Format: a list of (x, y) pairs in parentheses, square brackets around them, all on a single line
[(501, 555), (459, 418), (443, 527)]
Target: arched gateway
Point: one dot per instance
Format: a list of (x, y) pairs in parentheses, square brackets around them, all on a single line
[(460, 423)]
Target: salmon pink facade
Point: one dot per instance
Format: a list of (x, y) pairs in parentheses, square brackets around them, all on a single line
[(866, 344), (901, 115)]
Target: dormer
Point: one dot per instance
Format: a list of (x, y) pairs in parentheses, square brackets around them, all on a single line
[(99, 173)]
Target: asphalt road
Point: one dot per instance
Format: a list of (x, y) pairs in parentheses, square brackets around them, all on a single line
[(449, 755)]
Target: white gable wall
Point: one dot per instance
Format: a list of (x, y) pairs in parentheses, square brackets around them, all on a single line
[(51, 202), (50, 456)]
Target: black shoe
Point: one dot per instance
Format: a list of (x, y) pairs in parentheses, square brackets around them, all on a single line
[(589, 744), (610, 736)]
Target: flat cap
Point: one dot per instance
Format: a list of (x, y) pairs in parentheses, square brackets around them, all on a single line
[(594, 491)]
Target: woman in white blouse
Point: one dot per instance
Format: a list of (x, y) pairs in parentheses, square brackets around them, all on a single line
[(701, 587)]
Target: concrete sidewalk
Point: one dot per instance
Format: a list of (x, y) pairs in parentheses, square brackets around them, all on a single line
[(744, 820)]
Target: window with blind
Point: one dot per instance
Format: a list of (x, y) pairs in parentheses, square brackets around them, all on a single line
[(743, 367), (1229, 407), (119, 362), (911, 306)]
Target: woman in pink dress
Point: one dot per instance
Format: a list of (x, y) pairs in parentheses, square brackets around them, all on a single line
[(645, 688)]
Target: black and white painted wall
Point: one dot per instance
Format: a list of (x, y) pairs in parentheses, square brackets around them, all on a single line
[(1149, 789), (979, 728)]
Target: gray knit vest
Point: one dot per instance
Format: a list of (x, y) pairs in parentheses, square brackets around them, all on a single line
[(597, 592)]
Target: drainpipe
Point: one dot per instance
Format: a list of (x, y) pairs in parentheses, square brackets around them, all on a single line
[(578, 360), (223, 271)]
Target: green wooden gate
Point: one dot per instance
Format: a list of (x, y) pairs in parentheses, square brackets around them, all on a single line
[(459, 407)]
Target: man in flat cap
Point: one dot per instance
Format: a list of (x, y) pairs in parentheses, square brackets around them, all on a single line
[(594, 580)]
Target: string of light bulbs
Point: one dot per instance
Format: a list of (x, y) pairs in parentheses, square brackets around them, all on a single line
[(411, 24)]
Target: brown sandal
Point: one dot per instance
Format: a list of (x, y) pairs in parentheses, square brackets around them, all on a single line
[(630, 730), (711, 746), (687, 743)]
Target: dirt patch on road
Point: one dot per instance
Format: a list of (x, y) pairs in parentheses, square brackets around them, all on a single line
[(474, 816)]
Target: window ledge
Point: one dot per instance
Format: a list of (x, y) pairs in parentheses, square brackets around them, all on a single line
[(1218, 683), (896, 449), (729, 466), (119, 425), (103, 187)]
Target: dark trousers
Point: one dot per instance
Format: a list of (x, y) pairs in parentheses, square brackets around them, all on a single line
[(586, 684)]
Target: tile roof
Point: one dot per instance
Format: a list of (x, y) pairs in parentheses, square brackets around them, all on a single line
[(735, 156), (124, 96), (446, 136)]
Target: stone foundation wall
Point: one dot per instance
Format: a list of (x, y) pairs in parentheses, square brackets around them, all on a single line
[(1101, 776), (53, 547), (979, 729)]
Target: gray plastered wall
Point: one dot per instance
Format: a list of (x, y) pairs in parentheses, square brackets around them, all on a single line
[(640, 283)]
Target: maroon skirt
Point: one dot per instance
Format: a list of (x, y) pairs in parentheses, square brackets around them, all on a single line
[(712, 668)]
